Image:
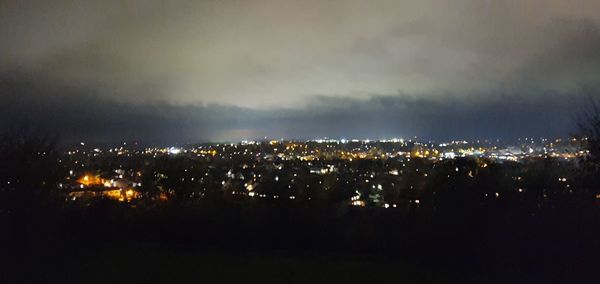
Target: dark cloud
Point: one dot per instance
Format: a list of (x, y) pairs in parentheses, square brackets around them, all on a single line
[(79, 114), (182, 71)]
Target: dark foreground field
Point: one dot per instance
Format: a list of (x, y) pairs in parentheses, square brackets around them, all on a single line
[(275, 244), (154, 263)]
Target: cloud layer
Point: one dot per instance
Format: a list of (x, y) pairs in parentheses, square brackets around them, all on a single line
[(228, 70), (81, 115)]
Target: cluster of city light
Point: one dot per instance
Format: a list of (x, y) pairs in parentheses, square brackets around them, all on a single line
[(321, 157)]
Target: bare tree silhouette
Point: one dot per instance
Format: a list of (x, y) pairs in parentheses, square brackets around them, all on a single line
[(588, 122), (29, 170)]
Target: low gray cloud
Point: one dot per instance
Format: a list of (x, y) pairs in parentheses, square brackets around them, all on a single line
[(181, 71), (278, 53), (79, 114)]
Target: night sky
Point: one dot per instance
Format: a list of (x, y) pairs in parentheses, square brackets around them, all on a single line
[(192, 71)]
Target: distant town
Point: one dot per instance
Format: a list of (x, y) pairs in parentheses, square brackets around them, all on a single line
[(394, 173)]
